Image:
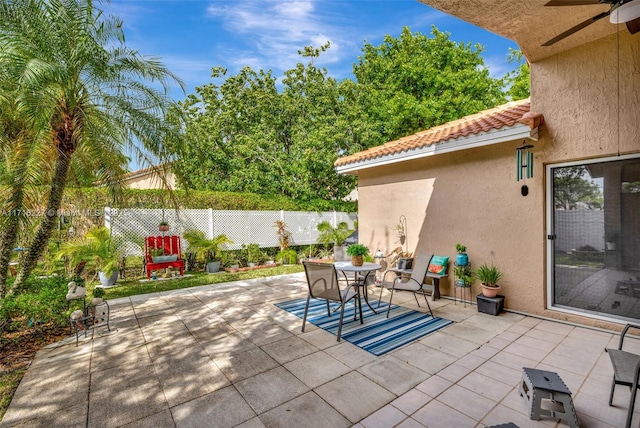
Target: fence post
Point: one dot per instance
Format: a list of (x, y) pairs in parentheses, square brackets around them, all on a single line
[(211, 230), (107, 217)]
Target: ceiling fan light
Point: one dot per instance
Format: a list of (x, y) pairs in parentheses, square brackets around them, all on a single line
[(625, 13)]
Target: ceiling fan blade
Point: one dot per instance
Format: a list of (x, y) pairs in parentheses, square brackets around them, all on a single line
[(576, 28), (577, 2), (633, 26)]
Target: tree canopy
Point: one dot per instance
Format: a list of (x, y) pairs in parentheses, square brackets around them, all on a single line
[(251, 132)]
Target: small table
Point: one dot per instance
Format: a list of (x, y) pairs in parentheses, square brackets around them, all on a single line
[(365, 269)]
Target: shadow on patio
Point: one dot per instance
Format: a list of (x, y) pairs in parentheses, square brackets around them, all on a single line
[(225, 356)]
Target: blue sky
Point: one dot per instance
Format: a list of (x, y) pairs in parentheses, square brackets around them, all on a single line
[(193, 36)]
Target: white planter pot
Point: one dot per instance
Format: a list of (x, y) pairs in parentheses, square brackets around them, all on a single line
[(213, 267), (108, 281)]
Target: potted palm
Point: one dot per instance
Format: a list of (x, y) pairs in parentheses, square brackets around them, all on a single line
[(163, 226), (210, 249), (357, 253), (489, 277), (335, 236), (96, 248)]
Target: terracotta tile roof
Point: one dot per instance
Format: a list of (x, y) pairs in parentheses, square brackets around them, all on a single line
[(506, 115)]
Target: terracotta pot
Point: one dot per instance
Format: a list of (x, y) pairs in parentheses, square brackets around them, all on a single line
[(357, 260), (163, 227), (490, 291)]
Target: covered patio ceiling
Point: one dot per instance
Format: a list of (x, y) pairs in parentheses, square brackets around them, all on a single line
[(530, 24)]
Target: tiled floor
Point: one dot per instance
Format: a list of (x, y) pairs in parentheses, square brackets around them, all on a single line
[(225, 356)]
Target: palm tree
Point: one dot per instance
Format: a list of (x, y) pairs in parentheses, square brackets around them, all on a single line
[(333, 235), (85, 92)]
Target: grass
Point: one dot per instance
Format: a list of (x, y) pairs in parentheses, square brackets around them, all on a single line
[(134, 287), (8, 385)]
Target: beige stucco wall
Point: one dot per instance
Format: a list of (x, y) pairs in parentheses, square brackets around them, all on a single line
[(577, 93), (468, 197), (472, 197), (151, 181)]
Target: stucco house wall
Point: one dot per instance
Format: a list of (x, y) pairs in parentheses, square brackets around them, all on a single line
[(472, 197), (468, 197)]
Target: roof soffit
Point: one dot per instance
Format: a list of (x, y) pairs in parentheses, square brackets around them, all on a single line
[(530, 24)]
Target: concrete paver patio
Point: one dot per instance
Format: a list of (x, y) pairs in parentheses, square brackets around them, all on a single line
[(225, 356)]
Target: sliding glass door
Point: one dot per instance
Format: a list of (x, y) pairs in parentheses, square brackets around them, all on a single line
[(594, 237)]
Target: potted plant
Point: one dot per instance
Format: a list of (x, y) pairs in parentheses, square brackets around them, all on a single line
[(255, 255), (163, 226), (489, 277), (158, 256), (96, 248), (335, 236), (461, 259), (357, 253), (98, 296), (463, 275), (284, 236), (210, 249)]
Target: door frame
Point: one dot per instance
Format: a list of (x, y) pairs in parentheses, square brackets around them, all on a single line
[(550, 283)]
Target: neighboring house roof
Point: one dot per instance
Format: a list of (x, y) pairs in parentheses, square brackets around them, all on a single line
[(150, 178), (507, 122)]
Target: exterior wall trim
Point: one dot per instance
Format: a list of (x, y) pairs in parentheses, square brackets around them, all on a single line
[(481, 139)]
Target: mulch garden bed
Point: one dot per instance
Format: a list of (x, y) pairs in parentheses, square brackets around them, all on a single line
[(17, 349)]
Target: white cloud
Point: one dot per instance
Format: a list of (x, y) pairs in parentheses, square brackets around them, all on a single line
[(277, 29)]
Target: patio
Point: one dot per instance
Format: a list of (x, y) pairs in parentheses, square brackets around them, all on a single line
[(225, 356)]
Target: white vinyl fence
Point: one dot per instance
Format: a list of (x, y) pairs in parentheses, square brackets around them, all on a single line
[(130, 225)]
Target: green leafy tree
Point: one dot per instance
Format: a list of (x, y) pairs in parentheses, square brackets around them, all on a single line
[(571, 190), (83, 95), (519, 80), (248, 136), (415, 82)]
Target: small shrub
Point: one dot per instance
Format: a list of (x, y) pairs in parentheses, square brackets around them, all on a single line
[(41, 301), (289, 256)]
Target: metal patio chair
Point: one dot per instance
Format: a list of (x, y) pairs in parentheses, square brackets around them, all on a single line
[(626, 370), (322, 280), (414, 283)]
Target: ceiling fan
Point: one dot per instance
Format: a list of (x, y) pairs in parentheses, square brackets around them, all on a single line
[(627, 11)]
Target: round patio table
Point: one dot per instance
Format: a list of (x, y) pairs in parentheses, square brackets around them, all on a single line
[(367, 268)]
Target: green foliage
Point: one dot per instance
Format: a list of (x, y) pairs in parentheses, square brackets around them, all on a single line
[(96, 248), (211, 249), (519, 80), (489, 275), (155, 252), (414, 82), (572, 189), (254, 253), (83, 99), (465, 274), (357, 250), (246, 135), (40, 300), (460, 248), (98, 292), (288, 256), (330, 235), (96, 198)]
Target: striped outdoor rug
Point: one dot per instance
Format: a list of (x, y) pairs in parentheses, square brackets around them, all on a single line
[(378, 334)]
